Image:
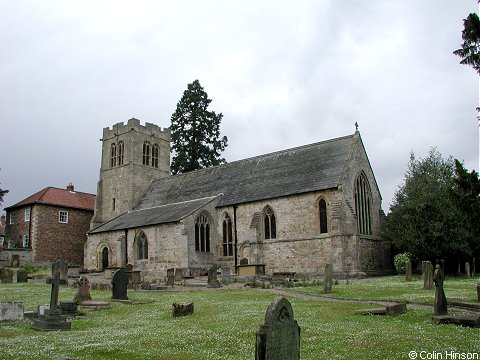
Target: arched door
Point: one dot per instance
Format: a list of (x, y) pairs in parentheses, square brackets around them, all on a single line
[(105, 258)]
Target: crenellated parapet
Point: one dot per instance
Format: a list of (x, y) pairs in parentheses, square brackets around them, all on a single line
[(133, 124)]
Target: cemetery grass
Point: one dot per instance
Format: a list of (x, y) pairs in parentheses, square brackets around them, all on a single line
[(396, 288), (223, 326)]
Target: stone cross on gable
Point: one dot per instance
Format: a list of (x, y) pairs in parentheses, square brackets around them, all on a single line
[(55, 281)]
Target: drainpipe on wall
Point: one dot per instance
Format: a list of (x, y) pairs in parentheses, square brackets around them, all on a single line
[(126, 247), (30, 229), (235, 234)]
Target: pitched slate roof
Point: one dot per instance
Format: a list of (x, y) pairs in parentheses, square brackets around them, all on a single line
[(153, 216), (299, 170), (59, 197)]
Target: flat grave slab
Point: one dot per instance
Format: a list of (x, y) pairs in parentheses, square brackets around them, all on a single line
[(389, 310), (466, 320)]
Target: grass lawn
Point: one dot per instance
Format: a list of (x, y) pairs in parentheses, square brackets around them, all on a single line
[(224, 325)]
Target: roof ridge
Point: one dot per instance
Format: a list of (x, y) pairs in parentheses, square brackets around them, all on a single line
[(175, 203), (260, 156)]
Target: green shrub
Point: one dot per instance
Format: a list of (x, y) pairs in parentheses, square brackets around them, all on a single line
[(399, 260)]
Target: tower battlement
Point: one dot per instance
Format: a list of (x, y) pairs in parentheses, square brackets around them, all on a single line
[(133, 124)]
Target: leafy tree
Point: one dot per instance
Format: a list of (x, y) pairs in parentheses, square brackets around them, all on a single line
[(466, 193), (2, 194), (195, 131), (423, 219), (470, 50)]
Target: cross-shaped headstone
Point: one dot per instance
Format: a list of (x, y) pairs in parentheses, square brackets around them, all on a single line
[(55, 281)]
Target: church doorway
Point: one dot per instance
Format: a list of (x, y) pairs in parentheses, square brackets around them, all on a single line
[(104, 258)]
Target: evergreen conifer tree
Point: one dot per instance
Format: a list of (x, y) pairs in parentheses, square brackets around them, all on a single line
[(196, 141)]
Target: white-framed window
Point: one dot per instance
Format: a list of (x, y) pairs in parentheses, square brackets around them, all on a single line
[(27, 215), (12, 219), (26, 240), (63, 217)]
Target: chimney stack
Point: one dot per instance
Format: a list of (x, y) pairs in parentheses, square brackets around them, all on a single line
[(70, 187)]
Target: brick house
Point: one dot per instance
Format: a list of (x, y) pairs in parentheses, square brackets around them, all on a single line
[(48, 226)]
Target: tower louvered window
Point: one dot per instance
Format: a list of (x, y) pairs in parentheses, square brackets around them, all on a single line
[(113, 155), (146, 153), (121, 152), (155, 153)]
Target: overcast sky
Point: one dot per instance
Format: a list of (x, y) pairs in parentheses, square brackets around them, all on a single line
[(283, 74)]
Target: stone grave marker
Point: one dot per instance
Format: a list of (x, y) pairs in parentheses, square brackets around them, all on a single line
[(226, 273), (467, 270), (11, 311), (243, 261), (427, 275), (279, 337), (129, 267), (6, 275), (178, 274), (182, 309), (52, 318), (15, 260), (83, 292), (440, 304), (170, 277), (22, 276), (119, 285), (213, 278), (62, 268), (328, 279), (408, 270), (478, 292)]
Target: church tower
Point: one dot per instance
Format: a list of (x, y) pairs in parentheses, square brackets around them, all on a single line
[(132, 156)]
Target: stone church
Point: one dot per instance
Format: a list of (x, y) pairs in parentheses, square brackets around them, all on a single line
[(291, 211)]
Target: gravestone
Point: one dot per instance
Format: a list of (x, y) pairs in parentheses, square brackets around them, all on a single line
[(182, 309), (68, 308), (6, 275), (440, 304), (129, 267), (225, 273), (408, 270), (213, 277), (427, 275), (83, 292), (243, 261), (170, 277), (328, 279), (178, 274), (119, 285), (15, 260), (478, 292), (11, 311), (62, 268), (279, 337), (22, 276), (52, 319), (467, 270)]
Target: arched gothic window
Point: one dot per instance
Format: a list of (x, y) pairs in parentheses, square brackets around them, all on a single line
[(363, 200), (227, 231), (322, 207), (141, 246), (202, 233), (113, 155), (121, 152), (146, 153), (155, 152), (270, 223)]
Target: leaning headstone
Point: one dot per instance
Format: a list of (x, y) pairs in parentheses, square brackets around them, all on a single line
[(15, 260), (212, 277), (328, 279), (170, 277), (6, 276), (182, 309), (478, 292), (279, 337), (83, 292), (11, 311), (62, 268), (408, 270), (22, 276), (119, 285), (427, 275), (440, 304), (467, 270), (53, 318)]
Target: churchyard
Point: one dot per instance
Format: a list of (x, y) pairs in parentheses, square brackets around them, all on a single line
[(225, 322)]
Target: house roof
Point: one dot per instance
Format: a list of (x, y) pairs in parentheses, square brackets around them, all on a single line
[(153, 216), (299, 170), (59, 197)]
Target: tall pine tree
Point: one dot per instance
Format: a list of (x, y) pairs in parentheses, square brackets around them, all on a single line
[(196, 141)]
